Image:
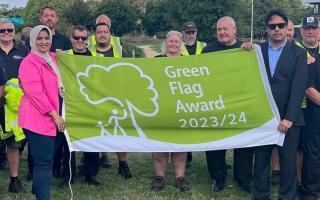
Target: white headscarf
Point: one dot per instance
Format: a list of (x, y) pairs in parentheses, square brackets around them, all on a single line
[(46, 56)]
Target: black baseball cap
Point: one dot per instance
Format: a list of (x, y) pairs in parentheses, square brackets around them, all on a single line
[(189, 26), (310, 21)]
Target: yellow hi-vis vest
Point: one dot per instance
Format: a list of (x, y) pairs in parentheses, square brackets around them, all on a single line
[(199, 47), (299, 44), (13, 94), (114, 42), (70, 52)]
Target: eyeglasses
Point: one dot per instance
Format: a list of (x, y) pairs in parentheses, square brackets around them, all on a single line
[(280, 26), (79, 37), (9, 30)]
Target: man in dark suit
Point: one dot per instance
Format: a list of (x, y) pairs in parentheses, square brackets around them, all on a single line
[(286, 66)]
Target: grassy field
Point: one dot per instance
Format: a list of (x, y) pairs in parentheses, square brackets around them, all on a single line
[(138, 188)]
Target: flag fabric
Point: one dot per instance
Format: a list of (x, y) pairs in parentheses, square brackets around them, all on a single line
[(212, 101)]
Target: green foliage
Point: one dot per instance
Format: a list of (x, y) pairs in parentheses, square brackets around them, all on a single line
[(122, 13), (79, 13), (165, 15), (130, 49)]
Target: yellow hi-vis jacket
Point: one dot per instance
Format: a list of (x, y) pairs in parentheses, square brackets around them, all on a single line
[(13, 94), (299, 44), (70, 52), (199, 47), (114, 42)]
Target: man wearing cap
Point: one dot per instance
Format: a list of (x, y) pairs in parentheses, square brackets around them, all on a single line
[(310, 133), (114, 41), (226, 39), (190, 44)]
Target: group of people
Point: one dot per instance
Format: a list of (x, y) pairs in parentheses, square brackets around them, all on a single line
[(32, 94)]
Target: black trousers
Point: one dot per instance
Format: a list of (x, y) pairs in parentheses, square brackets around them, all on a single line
[(216, 162), (243, 162), (288, 174), (3, 154), (91, 163), (62, 156), (3, 148), (242, 165), (311, 165)]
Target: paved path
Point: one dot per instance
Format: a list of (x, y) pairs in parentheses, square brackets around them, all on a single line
[(148, 51)]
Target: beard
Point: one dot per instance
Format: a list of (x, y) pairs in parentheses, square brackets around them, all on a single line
[(102, 45), (189, 43)]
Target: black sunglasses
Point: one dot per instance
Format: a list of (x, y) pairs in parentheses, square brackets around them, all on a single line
[(280, 26), (79, 37), (9, 30)]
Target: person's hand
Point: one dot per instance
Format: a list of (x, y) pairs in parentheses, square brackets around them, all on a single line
[(284, 125), (58, 120), (247, 46), (310, 60)]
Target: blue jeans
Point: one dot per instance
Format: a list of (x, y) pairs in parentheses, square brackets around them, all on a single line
[(42, 150)]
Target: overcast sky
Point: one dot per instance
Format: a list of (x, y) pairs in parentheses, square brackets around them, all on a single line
[(15, 3)]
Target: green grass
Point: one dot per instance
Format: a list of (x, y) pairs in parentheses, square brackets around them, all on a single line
[(137, 188)]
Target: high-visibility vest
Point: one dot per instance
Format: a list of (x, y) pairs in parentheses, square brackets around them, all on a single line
[(199, 47), (13, 94), (70, 52), (114, 42), (299, 44)]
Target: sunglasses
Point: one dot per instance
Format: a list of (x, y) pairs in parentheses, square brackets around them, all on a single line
[(9, 30), (280, 26), (79, 37)]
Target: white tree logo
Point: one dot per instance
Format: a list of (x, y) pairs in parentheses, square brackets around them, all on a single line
[(128, 106)]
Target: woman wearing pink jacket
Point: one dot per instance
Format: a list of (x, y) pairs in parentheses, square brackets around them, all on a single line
[(39, 117)]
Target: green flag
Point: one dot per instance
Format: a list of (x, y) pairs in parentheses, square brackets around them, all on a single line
[(212, 101)]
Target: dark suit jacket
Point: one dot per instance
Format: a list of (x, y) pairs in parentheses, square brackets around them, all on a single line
[(288, 82)]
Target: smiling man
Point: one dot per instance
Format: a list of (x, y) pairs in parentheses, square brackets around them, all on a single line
[(79, 39), (11, 55), (216, 162)]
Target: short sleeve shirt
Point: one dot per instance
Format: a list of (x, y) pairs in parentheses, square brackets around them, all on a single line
[(60, 42), (12, 60)]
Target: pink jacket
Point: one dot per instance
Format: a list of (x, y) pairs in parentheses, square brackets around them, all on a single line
[(40, 86)]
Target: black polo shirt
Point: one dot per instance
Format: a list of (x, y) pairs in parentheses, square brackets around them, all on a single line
[(86, 53), (109, 53), (191, 49), (12, 60), (217, 46), (3, 79), (312, 111), (60, 42)]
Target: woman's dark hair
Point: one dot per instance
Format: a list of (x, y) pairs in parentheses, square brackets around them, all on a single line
[(46, 30), (275, 13)]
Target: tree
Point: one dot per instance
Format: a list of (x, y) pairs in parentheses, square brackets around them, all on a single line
[(122, 14), (155, 19), (79, 13)]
